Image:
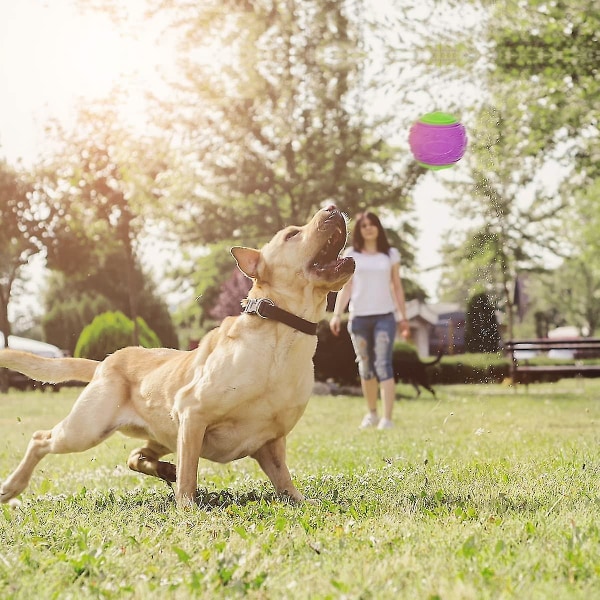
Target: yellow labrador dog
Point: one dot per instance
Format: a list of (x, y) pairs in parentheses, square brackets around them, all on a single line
[(238, 394)]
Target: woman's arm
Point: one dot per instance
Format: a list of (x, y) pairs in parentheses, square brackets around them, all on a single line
[(399, 300), (341, 302)]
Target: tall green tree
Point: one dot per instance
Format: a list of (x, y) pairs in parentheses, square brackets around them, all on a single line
[(544, 86), (272, 122), (19, 235), (267, 118), (513, 217), (547, 53), (100, 194), (19, 241), (578, 278)]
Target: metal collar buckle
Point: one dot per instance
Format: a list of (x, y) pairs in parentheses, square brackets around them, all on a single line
[(253, 306)]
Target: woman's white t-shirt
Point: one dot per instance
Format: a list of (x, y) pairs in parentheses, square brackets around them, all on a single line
[(371, 282)]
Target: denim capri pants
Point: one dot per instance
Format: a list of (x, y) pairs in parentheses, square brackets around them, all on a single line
[(373, 340)]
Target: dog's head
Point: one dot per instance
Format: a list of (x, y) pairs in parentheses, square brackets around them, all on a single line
[(298, 258)]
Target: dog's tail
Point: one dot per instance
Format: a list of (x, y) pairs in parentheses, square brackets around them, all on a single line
[(48, 370), (435, 361)]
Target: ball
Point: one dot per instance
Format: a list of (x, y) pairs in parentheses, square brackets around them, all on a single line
[(437, 141)]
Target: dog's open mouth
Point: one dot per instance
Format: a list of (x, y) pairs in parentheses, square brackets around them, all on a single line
[(327, 263)]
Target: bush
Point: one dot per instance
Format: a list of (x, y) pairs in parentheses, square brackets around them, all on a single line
[(111, 331), (335, 360), (65, 320), (471, 368)]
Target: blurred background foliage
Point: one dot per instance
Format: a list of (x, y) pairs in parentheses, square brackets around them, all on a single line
[(272, 108)]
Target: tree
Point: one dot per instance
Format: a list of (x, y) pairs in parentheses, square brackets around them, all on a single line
[(19, 241), (100, 191), (548, 54), (514, 216), (481, 325), (544, 87), (272, 124), (537, 121), (72, 302), (277, 126), (575, 283)]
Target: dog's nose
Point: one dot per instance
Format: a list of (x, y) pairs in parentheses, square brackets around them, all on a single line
[(331, 208)]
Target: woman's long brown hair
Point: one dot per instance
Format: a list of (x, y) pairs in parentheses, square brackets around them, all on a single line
[(358, 242)]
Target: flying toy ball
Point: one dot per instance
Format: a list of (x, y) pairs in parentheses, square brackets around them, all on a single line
[(437, 141)]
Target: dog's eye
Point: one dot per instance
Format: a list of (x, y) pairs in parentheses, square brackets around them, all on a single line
[(290, 234)]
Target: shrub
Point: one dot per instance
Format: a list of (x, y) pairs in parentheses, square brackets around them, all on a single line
[(334, 357), (335, 360), (471, 368), (111, 331), (65, 320)]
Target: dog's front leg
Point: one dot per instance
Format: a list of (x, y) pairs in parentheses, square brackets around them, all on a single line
[(189, 446), (271, 458)]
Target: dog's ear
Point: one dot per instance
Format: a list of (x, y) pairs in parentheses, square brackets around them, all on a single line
[(247, 260)]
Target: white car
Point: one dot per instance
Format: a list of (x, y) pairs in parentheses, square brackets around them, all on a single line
[(561, 353), (15, 342)]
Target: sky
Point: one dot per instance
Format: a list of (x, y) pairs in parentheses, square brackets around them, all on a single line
[(52, 58)]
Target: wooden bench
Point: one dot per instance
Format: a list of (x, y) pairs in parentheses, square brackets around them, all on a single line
[(579, 364)]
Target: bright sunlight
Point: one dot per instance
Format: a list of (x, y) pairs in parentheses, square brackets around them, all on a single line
[(53, 57)]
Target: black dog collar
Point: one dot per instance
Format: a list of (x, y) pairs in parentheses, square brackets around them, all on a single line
[(266, 309)]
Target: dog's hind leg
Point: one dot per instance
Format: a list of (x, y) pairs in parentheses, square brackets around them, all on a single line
[(271, 458), (430, 390), (53, 441), (91, 420), (145, 460)]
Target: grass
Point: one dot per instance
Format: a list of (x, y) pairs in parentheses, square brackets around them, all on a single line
[(486, 492)]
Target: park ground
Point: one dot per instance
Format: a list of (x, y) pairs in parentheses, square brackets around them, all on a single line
[(485, 492)]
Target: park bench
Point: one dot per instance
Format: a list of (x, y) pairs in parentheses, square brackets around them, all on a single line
[(532, 360)]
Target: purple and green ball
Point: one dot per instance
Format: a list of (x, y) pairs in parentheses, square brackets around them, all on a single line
[(437, 141)]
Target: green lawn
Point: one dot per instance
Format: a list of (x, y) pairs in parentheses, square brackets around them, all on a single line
[(486, 492)]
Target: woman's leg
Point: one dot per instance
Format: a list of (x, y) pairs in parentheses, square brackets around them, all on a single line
[(388, 397), (384, 334), (369, 389), (361, 334)]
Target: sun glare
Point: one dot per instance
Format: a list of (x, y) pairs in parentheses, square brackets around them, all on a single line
[(52, 57)]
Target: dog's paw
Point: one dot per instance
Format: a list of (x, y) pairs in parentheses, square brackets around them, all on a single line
[(292, 497), (6, 497), (185, 501)]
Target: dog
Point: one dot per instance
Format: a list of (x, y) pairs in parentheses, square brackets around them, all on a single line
[(414, 372), (238, 394)]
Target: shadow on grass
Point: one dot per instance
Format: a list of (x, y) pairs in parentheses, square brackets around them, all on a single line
[(209, 500), (338, 499), (161, 500)]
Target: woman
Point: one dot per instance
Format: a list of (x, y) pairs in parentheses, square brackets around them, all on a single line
[(376, 298)]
